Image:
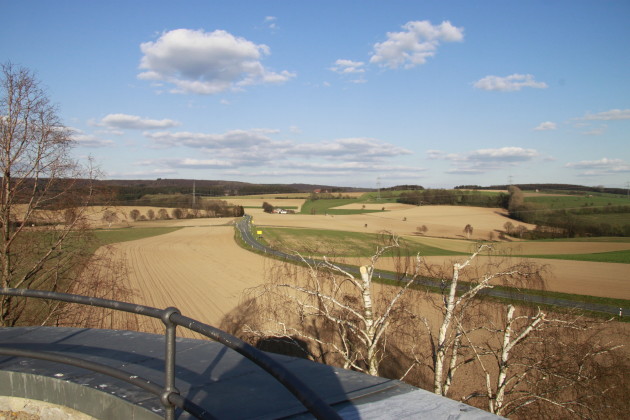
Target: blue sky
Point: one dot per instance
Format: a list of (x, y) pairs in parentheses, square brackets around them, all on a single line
[(351, 93)]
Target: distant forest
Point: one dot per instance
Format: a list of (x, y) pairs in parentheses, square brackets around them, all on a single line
[(124, 191), (564, 188)]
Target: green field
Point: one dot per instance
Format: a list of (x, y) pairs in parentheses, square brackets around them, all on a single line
[(613, 219), (607, 257), (325, 206), (282, 207), (385, 197), (578, 201), (264, 196), (593, 239), (316, 242)]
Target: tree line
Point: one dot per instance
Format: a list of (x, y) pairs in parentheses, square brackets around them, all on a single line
[(453, 197), (564, 188), (139, 194), (550, 223), (564, 222)]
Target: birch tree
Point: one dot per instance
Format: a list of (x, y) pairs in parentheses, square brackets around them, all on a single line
[(457, 304), (501, 380), (335, 310), (40, 246), (533, 363)]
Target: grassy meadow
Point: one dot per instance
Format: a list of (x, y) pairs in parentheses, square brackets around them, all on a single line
[(614, 219), (574, 202), (326, 206), (622, 257), (318, 242)]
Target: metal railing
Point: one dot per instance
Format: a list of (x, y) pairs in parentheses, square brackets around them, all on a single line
[(171, 317)]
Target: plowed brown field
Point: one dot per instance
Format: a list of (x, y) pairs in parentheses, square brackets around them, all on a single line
[(276, 202), (199, 270), (577, 277), (442, 221)]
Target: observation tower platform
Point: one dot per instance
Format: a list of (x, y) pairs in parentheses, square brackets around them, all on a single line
[(226, 384)]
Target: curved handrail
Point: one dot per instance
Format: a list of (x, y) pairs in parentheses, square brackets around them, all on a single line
[(172, 317)]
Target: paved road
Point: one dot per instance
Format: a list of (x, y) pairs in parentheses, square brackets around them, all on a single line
[(243, 226)]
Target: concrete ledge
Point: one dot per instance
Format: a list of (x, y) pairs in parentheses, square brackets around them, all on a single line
[(13, 407), (209, 374), (91, 402), (22, 408)]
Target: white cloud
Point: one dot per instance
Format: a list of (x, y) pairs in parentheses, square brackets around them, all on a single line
[(341, 170), (465, 171), (604, 166), (206, 62), (510, 83), (357, 148), (598, 131), (187, 163), (364, 166), (141, 174), (348, 67), (418, 42), (258, 142), (233, 139), (613, 114), (503, 154), (270, 21), (545, 126), (435, 154), (483, 160), (236, 150), (89, 140), (133, 122)]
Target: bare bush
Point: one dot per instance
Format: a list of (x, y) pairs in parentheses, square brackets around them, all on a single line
[(109, 217), (177, 214), (162, 214), (134, 214), (468, 230), (422, 229)]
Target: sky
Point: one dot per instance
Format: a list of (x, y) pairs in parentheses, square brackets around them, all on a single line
[(347, 93)]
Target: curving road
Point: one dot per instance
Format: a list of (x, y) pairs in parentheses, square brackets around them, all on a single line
[(244, 225)]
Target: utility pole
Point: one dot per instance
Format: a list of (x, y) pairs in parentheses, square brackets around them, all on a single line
[(194, 193), (378, 188), (628, 190)]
